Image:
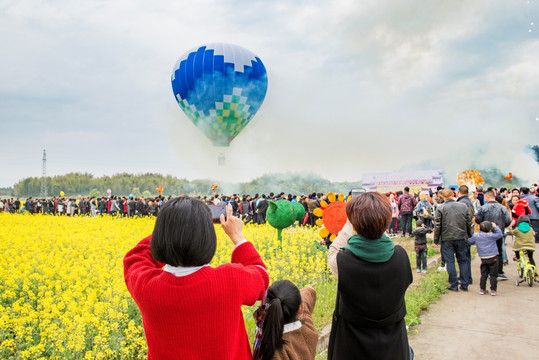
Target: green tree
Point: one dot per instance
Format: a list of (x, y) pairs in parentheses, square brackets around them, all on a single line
[(55, 190), (535, 152), (146, 194), (95, 193), (135, 192)]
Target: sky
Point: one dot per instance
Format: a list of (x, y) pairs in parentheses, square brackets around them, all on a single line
[(353, 87)]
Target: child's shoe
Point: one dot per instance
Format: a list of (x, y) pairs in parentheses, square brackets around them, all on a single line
[(493, 292), (482, 292), (418, 270), (424, 271)]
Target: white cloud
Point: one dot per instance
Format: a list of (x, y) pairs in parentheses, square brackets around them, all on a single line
[(353, 86)]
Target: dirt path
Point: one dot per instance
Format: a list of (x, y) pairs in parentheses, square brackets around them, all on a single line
[(472, 326)]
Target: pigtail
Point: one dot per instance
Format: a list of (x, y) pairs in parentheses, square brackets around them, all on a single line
[(283, 300), (272, 338)]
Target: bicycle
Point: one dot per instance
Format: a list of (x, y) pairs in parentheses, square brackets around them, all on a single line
[(526, 271)]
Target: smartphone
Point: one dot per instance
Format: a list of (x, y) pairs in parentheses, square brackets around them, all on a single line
[(216, 211)]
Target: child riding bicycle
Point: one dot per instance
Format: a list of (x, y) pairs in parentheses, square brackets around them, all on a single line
[(524, 239)]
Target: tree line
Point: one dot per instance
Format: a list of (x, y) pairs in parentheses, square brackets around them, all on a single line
[(123, 184)]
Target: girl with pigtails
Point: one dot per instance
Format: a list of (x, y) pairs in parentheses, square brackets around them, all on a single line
[(285, 327)]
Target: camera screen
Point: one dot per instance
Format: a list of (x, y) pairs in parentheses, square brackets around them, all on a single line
[(216, 211)]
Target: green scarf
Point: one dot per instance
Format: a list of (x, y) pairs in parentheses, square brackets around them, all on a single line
[(376, 251)]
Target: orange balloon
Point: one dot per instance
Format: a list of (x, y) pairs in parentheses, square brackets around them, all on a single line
[(335, 216)]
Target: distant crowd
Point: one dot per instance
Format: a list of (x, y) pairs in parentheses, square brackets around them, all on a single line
[(252, 209)]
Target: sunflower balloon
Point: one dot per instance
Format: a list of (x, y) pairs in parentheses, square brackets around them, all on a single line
[(332, 216)]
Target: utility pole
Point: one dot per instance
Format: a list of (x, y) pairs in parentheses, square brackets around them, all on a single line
[(44, 176)]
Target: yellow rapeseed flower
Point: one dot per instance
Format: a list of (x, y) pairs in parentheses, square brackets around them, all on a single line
[(62, 293)]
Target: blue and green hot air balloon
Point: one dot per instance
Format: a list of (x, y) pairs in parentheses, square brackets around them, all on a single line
[(220, 87)]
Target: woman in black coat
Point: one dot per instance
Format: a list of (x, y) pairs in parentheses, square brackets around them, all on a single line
[(373, 275)]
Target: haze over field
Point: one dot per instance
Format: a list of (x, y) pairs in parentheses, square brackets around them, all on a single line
[(354, 87)]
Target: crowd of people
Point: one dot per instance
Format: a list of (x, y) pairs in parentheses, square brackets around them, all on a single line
[(86, 206), (483, 218), (180, 295), (251, 209)]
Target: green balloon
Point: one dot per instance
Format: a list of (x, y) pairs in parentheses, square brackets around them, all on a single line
[(280, 214), (300, 211)]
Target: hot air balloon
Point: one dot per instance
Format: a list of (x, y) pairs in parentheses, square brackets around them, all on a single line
[(220, 87)]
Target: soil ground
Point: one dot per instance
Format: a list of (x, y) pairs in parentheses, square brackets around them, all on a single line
[(466, 325)]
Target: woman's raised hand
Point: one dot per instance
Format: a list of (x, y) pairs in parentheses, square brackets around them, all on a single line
[(232, 225)]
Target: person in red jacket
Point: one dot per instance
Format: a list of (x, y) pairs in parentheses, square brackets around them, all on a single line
[(191, 310)]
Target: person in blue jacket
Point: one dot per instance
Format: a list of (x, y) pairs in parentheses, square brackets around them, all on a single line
[(485, 240)]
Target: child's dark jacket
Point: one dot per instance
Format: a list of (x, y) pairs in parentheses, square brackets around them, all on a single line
[(420, 235)]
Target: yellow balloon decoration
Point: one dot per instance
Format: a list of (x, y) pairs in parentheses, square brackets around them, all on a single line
[(470, 177)]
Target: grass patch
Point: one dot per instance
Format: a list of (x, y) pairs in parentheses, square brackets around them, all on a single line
[(326, 293), (419, 298)]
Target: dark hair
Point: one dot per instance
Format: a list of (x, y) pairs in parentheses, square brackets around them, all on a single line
[(283, 300), (523, 218), (490, 194), (184, 234), (485, 226), (524, 190), (499, 199), (406, 188), (370, 214), (419, 222), (463, 189)]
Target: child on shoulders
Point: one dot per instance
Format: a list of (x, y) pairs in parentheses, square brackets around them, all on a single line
[(420, 235), (520, 208), (485, 240), (288, 330)]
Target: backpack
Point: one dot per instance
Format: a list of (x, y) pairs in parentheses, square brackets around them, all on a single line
[(427, 211)]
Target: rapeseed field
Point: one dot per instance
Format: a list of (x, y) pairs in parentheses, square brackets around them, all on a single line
[(62, 293)]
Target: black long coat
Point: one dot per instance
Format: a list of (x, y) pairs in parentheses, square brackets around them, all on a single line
[(368, 321)]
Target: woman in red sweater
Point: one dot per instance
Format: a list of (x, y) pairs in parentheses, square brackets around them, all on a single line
[(191, 310)]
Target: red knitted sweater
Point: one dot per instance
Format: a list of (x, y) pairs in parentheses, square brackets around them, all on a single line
[(197, 316)]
